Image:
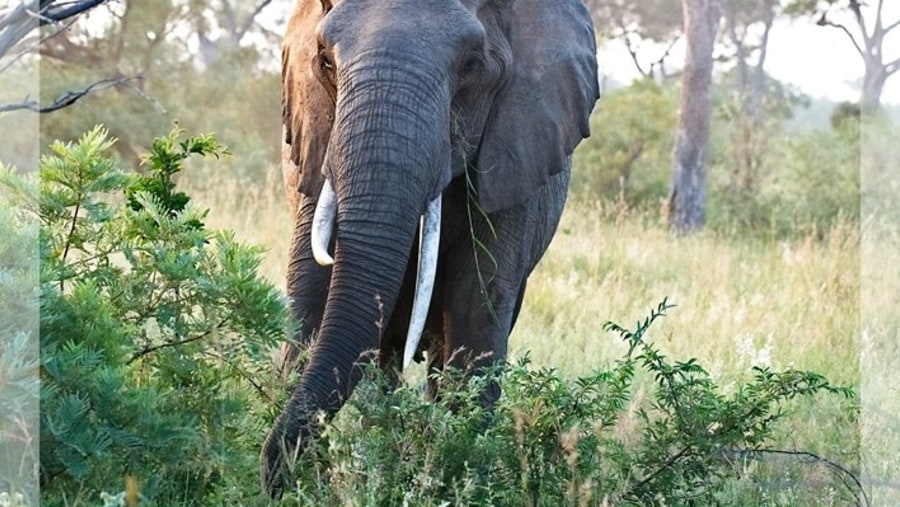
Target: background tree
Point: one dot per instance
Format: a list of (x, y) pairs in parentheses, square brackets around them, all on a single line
[(649, 30), (18, 21), (746, 36), (867, 30), (191, 55), (687, 200), (20, 38)]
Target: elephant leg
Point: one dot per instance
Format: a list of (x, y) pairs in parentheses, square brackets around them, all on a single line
[(478, 320), (307, 288), (486, 273)]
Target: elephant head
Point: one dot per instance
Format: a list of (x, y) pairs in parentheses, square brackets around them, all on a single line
[(385, 104)]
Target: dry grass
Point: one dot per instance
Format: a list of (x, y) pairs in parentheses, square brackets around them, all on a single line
[(742, 301), (256, 212)]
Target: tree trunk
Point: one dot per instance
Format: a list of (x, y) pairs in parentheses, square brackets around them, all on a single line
[(687, 201), (750, 139), (873, 84)]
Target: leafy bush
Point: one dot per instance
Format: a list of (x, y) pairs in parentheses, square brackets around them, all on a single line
[(591, 441), (809, 182), (19, 386), (629, 154), (155, 335), (155, 332)]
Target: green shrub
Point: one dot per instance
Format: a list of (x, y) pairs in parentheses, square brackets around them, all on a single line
[(629, 154), (809, 183), (551, 441), (155, 332), (155, 365), (19, 385)]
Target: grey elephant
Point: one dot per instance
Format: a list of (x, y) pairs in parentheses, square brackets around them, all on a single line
[(427, 157)]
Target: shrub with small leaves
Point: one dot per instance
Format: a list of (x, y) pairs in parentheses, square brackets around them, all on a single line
[(155, 332), (551, 441), (19, 354)]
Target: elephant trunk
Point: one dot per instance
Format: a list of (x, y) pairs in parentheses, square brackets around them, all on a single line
[(429, 241), (386, 158)]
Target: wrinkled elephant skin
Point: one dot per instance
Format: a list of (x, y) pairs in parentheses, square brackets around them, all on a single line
[(459, 114)]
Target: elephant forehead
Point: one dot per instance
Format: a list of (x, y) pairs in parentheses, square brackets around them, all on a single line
[(357, 25)]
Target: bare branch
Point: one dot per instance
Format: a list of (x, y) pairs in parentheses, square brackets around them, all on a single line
[(660, 62), (54, 14), (68, 98), (33, 47), (626, 33), (856, 8), (890, 27), (824, 21), (892, 66), (18, 22), (251, 18)]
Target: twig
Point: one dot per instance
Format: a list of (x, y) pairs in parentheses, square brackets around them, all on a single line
[(661, 61), (824, 21), (250, 19), (151, 349), (668, 463), (807, 457), (31, 49), (68, 98)]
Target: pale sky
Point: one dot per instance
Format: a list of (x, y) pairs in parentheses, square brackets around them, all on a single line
[(823, 62), (820, 61)]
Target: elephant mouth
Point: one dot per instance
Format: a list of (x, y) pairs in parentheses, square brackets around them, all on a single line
[(324, 222)]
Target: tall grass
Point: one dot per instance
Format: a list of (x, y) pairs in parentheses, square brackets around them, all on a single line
[(744, 301), (747, 301)]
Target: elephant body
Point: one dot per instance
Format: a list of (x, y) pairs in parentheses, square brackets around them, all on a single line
[(389, 108)]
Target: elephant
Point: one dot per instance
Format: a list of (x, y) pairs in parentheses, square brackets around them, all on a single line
[(426, 157)]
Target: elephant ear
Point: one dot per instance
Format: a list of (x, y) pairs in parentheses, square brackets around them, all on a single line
[(542, 111), (307, 107)]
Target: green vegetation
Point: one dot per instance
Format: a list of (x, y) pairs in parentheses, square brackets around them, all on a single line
[(764, 179), (19, 355), (154, 332), (558, 441), (157, 333)]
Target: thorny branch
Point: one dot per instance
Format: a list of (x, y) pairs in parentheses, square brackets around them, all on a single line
[(806, 457), (70, 97)]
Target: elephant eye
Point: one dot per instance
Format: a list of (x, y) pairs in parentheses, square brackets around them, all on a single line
[(325, 62), (472, 64), (326, 70), (470, 68)]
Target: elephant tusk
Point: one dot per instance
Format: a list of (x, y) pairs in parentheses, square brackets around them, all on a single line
[(429, 240), (323, 225)]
